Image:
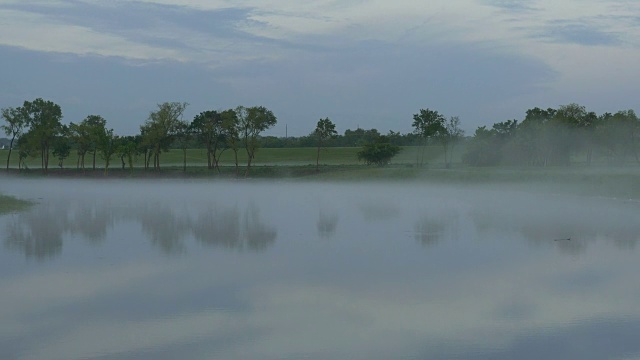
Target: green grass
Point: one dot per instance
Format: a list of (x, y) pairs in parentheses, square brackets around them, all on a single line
[(340, 164), (9, 204), (267, 156)]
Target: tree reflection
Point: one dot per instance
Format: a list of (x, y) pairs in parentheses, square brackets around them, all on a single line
[(327, 224), (229, 228), (92, 220), (215, 227), (431, 229), (166, 231), (40, 232), (257, 234), (37, 233)]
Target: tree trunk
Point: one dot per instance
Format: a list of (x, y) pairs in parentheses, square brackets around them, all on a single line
[(10, 148), (184, 163), (94, 159), (446, 161), (250, 156), (318, 159), (235, 152)]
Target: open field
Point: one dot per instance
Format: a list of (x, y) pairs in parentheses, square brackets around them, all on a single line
[(267, 156), (340, 164)]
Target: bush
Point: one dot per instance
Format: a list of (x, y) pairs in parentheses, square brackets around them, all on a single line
[(378, 152)]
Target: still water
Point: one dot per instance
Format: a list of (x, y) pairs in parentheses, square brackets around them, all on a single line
[(249, 270)]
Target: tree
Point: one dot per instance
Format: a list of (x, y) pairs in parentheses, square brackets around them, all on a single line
[(231, 131), (95, 127), (43, 118), (79, 135), (452, 134), (535, 136), (183, 136), (564, 125), (253, 121), (61, 146), (207, 126), (617, 133), (428, 124), (107, 146), (16, 122), (159, 128), (482, 149), (325, 129), (127, 149), (25, 151), (378, 152)]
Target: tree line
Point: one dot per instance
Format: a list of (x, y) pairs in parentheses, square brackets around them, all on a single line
[(543, 138), (35, 128), (547, 137)]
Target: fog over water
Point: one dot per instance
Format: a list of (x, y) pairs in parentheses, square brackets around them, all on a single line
[(193, 269)]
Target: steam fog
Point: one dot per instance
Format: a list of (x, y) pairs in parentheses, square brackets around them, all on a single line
[(209, 269)]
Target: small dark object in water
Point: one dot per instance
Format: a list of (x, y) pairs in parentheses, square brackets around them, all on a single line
[(567, 239)]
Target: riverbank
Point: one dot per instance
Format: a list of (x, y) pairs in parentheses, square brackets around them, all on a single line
[(619, 182)]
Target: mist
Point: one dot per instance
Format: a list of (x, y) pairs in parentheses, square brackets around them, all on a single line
[(326, 270)]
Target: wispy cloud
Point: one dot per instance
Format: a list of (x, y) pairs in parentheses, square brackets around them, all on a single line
[(514, 5), (579, 33)]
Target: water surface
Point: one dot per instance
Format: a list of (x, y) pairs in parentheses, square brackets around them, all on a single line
[(250, 270)]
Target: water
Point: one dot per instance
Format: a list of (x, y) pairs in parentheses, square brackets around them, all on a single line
[(249, 270)]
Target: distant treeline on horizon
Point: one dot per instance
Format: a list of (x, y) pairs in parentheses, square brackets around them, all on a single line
[(544, 137)]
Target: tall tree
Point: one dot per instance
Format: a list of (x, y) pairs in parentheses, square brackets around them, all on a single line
[(127, 148), (159, 129), (325, 129), (253, 121), (428, 124), (79, 135), (535, 136), (183, 137), (207, 126), (107, 146), (618, 134), (231, 131), (564, 125), (43, 118), (452, 134), (15, 125), (61, 146), (90, 133)]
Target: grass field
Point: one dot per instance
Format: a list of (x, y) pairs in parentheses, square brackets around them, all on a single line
[(340, 164), (267, 156)]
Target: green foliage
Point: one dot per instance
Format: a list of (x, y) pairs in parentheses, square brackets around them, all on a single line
[(61, 149), (251, 122), (429, 123), (378, 152), (325, 129), (207, 126), (15, 123), (43, 119), (159, 129)]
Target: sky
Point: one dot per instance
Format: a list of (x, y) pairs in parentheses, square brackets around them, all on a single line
[(362, 63)]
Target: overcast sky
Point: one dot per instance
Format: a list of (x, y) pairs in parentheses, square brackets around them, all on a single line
[(366, 63)]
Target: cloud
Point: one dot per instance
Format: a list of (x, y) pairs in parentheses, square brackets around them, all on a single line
[(514, 5), (38, 32), (579, 33)]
